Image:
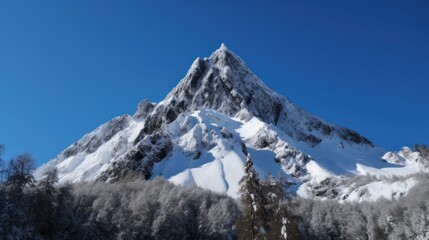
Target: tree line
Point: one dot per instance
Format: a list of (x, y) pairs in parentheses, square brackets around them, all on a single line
[(266, 216), (130, 209), (134, 208)]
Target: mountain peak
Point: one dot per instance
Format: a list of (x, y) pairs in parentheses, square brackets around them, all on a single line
[(225, 84), (223, 47), (217, 112), (223, 57), (222, 82)]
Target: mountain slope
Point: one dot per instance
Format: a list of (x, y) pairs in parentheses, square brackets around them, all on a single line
[(200, 134)]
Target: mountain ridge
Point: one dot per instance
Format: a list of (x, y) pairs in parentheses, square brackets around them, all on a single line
[(203, 123)]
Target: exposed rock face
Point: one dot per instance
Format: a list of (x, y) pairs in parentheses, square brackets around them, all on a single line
[(144, 109), (224, 83), (140, 159), (218, 107), (408, 156), (91, 142)]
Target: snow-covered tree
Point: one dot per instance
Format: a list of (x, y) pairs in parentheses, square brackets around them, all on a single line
[(44, 204), (253, 223), (282, 224), (63, 213), (19, 174), (14, 221), (155, 209), (2, 165)]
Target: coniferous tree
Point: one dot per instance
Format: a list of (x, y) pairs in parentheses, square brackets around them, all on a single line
[(2, 165), (274, 194), (252, 224), (19, 174), (14, 219), (282, 224), (63, 213), (3, 217), (44, 203)]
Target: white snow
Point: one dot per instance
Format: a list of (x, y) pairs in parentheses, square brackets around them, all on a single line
[(219, 168), (208, 134), (317, 173), (220, 161), (388, 172), (382, 189), (283, 230), (86, 166)]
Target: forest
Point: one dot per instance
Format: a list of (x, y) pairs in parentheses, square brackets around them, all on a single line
[(134, 208)]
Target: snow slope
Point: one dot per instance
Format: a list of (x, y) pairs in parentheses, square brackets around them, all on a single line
[(200, 133)]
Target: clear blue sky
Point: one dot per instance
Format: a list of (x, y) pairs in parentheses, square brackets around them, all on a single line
[(68, 66)]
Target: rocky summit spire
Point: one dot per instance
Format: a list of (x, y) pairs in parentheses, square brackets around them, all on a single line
[(222, 49), (222, 82), (224, 57), (223, 46)]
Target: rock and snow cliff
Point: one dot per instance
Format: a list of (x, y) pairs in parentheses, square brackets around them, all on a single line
[(199, 133)]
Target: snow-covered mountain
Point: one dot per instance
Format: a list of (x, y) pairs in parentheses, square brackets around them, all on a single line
[(200, 134)]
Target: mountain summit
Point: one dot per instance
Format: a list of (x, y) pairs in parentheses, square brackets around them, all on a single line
[(202, 131), (224, 83)]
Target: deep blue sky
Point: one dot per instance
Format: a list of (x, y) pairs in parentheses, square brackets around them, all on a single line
[(68, 66)]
